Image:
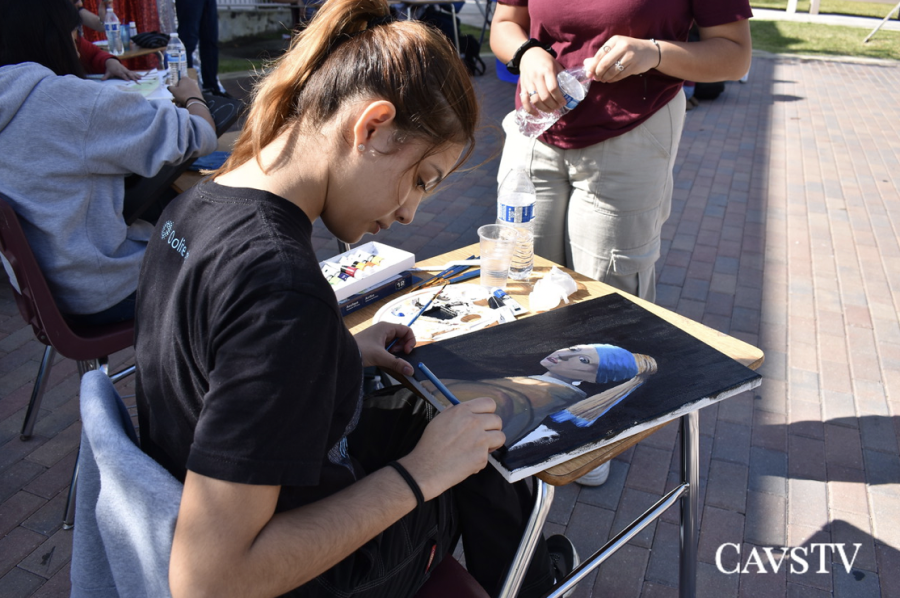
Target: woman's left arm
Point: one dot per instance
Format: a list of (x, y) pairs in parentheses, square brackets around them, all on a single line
[(722, 54), (373, 341), (90, 20)]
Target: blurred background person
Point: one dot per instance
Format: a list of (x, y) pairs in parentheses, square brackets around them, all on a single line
[(84, 138), (95, 60), (198, 26)]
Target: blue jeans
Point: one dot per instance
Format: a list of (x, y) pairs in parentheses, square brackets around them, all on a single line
[(198, 21)]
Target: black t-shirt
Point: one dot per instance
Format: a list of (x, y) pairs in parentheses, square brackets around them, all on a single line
[(245, 370)]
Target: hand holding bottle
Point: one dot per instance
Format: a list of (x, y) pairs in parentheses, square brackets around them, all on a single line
[(573, 84), (538, 87), (184, 90)]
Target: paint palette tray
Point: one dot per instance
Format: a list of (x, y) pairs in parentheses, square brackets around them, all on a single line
[(458, 309), (364, 267)]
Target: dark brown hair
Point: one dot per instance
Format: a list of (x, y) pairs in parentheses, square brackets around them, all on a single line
[(345, 56), (40, 31)]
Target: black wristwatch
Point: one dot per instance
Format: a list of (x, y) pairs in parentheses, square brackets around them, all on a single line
[(513, 65)]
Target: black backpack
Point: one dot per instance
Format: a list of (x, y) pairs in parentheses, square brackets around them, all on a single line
[(470, 49), (708, 91)]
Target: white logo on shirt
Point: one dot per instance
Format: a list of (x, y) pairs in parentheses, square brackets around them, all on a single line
[(168, 235)]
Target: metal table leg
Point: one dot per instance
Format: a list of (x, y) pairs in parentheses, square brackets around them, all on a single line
[(543, 498), (690, 475)]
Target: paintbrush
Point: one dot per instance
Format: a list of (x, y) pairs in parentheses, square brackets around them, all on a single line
[(440, 276), (449, 275), (473, 261), (421, 311), (440, 385), (464, 276)]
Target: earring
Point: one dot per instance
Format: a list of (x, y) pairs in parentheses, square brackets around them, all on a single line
[(361, 147)]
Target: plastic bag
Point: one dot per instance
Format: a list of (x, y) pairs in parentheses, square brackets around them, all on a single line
[(555, 286)]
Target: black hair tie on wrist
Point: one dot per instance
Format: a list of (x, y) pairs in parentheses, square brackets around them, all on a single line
[(420, 498), (196, 98)]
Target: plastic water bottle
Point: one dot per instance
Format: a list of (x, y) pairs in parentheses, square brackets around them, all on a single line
[(515, 207), (113, 32), (573, 84), (176, 60), (132, 29)]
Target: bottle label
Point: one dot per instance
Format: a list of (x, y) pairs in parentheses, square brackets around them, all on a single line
[(570, 101), (112, 28), (515, 214)]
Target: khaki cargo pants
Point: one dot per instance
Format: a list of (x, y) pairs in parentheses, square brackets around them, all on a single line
[(600, 209)]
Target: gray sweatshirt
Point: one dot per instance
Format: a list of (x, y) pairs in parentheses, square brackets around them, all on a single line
[(66, 145)]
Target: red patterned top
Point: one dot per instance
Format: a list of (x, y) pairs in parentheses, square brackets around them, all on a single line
[(145, 17)]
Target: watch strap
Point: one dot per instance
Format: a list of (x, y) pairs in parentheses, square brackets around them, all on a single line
[(513, 65)]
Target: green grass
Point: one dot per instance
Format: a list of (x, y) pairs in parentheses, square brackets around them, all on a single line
[(476, 33), (247, 53), (830, 7), (234, 65), (790, 37)]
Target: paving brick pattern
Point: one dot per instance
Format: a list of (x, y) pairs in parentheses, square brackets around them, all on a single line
[(784, 232)]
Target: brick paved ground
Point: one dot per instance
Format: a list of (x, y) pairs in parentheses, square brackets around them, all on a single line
[(784, 232)]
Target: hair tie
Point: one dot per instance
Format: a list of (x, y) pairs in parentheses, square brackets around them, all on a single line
[(410, 481)]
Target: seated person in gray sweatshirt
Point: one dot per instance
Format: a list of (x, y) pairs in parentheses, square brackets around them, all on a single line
[(67, 145)]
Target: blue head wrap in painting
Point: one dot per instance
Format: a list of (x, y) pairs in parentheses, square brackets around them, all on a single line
[(615, 364)]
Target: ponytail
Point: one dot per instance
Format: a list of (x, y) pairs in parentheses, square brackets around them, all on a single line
[(351, 50)]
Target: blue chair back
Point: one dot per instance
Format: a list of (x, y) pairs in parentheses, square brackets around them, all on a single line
[(127, 504)]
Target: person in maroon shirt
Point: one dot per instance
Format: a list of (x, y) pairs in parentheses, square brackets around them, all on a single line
[(603, 172)]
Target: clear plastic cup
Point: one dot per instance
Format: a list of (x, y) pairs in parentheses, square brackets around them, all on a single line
[(498, 242)]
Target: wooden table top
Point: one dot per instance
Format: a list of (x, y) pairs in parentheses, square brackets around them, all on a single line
[(588, 288), (135, 50)]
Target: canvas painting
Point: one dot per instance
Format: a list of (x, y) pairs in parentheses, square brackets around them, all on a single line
[(576, 378)]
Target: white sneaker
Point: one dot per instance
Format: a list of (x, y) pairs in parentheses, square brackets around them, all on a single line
[(596, 477)]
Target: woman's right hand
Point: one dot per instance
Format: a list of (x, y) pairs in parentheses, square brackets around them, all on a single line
[(455, 445), (185, 89), (538, 70)]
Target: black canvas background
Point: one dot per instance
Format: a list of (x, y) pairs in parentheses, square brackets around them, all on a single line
[(688, 369)]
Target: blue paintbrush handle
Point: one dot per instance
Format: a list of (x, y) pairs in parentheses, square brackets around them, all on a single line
[(421, 311), (465, 276), (440, 385)]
